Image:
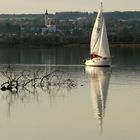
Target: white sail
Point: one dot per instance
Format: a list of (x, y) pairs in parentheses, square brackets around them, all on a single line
[(96, 47), (95, 36), (104, 46), (99, 46)]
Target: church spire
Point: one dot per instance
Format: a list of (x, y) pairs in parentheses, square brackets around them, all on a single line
[(46, 13), (46, 18)]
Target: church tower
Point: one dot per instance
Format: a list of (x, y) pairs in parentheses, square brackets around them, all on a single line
[(46, 18)]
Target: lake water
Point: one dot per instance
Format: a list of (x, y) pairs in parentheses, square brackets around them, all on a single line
[(103, 106)]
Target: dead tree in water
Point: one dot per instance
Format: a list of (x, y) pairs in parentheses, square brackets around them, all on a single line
[(27, 79)]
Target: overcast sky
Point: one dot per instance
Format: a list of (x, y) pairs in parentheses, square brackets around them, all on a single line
[(39, 6)]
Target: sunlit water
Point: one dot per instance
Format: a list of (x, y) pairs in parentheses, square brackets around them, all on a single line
[(104, 104)]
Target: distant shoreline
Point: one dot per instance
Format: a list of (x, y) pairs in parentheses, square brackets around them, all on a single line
[(116, 45), (43, 46)]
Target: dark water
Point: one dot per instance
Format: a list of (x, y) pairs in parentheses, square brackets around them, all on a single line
[(65, 56), (44, 56), (103, 106)]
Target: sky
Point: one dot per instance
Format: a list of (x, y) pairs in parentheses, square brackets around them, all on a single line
[(39, 6)]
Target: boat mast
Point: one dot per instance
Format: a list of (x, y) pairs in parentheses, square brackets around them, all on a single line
[(102, 5)]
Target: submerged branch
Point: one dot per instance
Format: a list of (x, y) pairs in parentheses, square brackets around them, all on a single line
[(35, 79)]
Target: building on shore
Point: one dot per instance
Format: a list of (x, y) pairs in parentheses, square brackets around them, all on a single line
[(49, 24)]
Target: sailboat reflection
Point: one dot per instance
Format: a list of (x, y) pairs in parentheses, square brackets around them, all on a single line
[(100, 77)]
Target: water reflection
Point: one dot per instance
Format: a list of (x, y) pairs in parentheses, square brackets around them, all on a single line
[(13, 99), (50, 84), (65, 56), (42, 56), (100, 78)]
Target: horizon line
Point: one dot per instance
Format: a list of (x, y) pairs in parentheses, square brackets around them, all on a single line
[(66, 12)]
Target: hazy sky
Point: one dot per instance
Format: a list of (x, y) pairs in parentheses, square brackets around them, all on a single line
[(39, 6)]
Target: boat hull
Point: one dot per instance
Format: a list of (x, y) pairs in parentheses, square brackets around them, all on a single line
[(98, 62)]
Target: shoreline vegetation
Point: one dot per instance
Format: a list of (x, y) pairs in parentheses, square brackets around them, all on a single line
[(67, 29), (55, 41), (72, 45), (58, 41), (119, 45)]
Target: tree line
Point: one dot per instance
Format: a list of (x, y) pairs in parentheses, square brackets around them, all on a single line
[(122, 27)]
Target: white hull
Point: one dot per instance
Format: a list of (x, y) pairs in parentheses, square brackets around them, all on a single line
[(98, 62)]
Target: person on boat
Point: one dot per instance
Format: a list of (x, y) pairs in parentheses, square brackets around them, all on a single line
[(93, 55)]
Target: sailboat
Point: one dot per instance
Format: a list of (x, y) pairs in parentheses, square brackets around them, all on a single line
[(100, 77), (99, 46)]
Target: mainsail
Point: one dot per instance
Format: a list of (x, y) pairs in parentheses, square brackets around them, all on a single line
[(95, 36), (99, 41)]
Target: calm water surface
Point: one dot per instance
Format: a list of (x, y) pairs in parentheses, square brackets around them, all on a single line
[(104, 105)]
